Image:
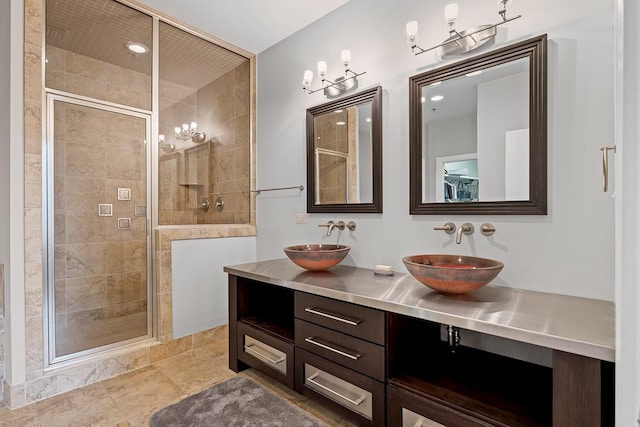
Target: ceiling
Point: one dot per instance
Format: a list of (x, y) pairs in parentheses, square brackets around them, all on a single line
[(100, 28), (253, 25)]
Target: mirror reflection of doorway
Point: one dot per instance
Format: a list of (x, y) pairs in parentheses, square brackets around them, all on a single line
[(457, 178)]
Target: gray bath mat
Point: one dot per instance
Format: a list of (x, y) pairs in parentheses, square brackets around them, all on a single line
[(238, 402)]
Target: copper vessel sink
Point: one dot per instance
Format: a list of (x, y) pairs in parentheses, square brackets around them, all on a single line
[(317, 257), (452, 274)]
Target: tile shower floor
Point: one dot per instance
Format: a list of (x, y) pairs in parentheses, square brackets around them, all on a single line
[(96, 333), (130, 399)]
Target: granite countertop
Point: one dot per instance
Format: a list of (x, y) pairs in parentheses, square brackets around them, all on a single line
[(573, 324)]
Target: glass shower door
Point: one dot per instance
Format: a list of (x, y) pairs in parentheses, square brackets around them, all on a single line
[(97, 239)]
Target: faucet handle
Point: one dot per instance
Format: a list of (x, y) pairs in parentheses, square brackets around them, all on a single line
[(448, 228), (340, 225), (328, 224), (487, 229)]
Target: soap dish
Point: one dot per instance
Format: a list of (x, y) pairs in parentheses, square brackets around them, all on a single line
[(383, 270)]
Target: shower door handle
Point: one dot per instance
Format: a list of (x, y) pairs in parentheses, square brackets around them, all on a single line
[(605, 165)]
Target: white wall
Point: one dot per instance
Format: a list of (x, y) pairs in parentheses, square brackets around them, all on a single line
[(499, 112), (568, 251), (200, 297)]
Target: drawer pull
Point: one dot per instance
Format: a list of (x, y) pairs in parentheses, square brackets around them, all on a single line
[(250, 348), (313, 310), (356, 402), (313, 340)]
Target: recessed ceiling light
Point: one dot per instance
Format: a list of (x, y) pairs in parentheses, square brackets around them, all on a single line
[(368, 119), (473, 73), (341, 123), (137, 48), (339, 111), (435, 83), (437, 98)]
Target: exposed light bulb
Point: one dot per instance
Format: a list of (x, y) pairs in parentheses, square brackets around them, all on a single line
[(322, 69), (185, 127), (345, 55), (193, 127), (306, 80), (161, 139), (451, 12), (437, 98), (412, 32), (177, 130)]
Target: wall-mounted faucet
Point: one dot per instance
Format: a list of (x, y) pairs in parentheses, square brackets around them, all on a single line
[(331, 225), (466, 228)]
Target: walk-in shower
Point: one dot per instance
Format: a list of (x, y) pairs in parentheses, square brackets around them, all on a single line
[(119, 81)]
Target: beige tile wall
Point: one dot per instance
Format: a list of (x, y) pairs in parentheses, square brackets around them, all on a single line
[(102, 269), (38, 384), (222, 110)]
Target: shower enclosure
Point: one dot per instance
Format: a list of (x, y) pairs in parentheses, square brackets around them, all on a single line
[(145, 121)]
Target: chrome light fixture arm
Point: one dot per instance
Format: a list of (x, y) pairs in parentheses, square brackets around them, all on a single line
[(458, 37)]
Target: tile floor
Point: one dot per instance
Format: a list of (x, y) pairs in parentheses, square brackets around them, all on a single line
[(130, 399)]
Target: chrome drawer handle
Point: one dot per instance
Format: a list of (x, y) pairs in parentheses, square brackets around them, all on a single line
[(311, 340), (331, 316), (324, 387), (250, 349)]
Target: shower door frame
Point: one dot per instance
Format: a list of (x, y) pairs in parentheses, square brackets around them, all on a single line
[(48, 169)]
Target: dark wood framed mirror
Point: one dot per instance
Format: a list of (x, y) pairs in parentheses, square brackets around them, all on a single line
[(478, 134), (344, 154)]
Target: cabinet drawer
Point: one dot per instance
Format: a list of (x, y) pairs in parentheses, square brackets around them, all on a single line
[(405, 409), (354, 353), (353, 395), (362, 322), (266, 353)]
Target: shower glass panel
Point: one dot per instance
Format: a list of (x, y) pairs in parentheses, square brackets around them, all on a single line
[(204, 108), (97, 250)]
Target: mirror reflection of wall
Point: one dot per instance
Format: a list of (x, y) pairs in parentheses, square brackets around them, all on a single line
[(343, 156), (486, 114)]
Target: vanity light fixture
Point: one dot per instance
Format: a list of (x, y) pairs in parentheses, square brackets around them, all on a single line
[(459, 42), (189, 132), (341, 84), (165, 146)]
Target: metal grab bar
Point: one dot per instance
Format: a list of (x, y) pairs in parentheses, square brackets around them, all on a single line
[(314, 310), (324, 387), (605, 165), (260, 190), (250, 349), (311, 340)]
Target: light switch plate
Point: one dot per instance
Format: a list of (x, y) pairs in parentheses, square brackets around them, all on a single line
[(301, 218), (140, 210), (124, 194)]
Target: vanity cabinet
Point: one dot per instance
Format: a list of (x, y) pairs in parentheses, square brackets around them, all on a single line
[(340, 357), (373, 349), (261, 329)]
